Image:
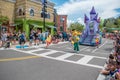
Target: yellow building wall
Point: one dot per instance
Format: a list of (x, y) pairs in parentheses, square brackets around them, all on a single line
[(37, 11), (27, 5), (7, 9), (20, 4), (10, 9)]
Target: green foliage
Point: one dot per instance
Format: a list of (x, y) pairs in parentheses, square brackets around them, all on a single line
[(3, 19), (77, 26), (26, 22), (112, 24), (29, 21), (101, 25)]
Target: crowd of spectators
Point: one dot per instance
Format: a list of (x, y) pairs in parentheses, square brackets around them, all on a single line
[(112, 68), (36, 37)]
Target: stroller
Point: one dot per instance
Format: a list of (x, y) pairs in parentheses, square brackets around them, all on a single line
[(0, 43), (7, 44)]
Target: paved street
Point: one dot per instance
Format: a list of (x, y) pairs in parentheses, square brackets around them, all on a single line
[(58, 62)]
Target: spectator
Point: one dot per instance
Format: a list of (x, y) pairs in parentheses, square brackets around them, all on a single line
[(4, 37), (64, 34), (43, 37), (22, 40), (107, 68), (36, 39), (40, 36), (14, 38), (31, 39), (113, 74), (0, 43)]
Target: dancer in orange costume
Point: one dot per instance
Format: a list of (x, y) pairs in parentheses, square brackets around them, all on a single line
[(48, 40)]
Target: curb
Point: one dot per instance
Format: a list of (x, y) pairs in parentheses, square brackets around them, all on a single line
[(102, 76), (41, 45)]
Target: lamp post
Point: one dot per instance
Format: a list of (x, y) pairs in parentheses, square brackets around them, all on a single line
[(44, 2), (0, 30), (0, 23), (63, 19)]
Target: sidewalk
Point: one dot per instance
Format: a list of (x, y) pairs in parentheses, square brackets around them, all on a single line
[(40, 45), (101, 76)]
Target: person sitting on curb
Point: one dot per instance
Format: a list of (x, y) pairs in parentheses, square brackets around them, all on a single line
[(112, 73), (107, 67), (0, 43)]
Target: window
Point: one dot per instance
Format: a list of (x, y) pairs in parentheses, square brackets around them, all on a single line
[(20, 12), (31, 12), (47, 15), (23, 13), (91, 24), (61, 28), (42, 14)]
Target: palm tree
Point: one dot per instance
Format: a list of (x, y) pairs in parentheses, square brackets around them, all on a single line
[(3, 19), (24, 23)]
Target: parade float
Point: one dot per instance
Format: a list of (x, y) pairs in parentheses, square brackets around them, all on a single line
[(91, 30)]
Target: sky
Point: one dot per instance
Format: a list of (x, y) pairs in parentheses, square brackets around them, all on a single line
[(75, 9)]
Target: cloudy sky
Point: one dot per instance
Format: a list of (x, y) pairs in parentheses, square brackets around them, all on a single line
[(75, 9)]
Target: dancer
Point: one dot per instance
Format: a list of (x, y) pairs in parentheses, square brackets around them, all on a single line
[(97, 41), (48, 40)]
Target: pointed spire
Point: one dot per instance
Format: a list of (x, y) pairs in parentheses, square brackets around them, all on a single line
[(98, 20), (95, 18), (86, 18), (93, 11)]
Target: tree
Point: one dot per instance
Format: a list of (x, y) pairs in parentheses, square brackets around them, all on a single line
[(77, 26), (101, 25), (118, 22), (112, 23)]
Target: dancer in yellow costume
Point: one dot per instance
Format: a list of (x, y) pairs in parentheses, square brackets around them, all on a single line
[(75, 40), (48, 40)]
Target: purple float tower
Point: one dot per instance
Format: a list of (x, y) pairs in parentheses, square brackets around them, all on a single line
[(91, 28)]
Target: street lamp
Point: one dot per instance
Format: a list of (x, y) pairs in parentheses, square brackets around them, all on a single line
[(63, 19), (44, 2), (0, 30)]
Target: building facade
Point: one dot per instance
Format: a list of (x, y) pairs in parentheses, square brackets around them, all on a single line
[(32, 9), (25, 15), (61, 23)]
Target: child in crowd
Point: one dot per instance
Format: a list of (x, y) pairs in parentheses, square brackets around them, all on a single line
[(0, 43), (113, 73), (118, 56), (31, 37), (107, 67)]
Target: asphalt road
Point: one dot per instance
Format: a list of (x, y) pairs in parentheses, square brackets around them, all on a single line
[(58, 62)]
